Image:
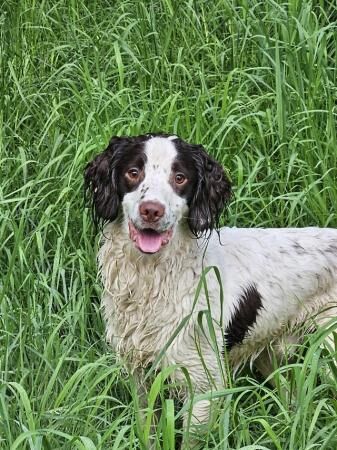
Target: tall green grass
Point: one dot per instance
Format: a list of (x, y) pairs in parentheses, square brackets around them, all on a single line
[(255, 82)]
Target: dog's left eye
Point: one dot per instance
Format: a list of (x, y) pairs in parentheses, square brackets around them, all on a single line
[(180, 178), (133, 173)]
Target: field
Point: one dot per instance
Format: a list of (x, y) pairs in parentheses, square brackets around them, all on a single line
[(255, 83)]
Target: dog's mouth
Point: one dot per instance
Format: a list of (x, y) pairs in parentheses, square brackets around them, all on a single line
[(148, 240)]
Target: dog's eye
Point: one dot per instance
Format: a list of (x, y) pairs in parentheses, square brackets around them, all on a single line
[(180, 178), (133, 173)]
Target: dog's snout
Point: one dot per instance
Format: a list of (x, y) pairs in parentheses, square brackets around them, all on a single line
[(151, 211)]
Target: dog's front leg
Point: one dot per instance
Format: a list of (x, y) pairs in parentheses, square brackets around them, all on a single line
[(197, 422), (141, 393), (204, 378)]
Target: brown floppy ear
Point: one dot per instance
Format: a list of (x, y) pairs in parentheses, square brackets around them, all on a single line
[(101, 184), (212, 194)]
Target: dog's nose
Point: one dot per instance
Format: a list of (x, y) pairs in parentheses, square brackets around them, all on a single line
[(151, 211)]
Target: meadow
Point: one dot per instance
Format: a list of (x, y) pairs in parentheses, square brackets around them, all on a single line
[(255, 83)]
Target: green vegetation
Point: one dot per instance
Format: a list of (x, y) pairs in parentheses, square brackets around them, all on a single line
[(253, 81)]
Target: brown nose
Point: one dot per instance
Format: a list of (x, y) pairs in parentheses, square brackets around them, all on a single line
[(151, 211)]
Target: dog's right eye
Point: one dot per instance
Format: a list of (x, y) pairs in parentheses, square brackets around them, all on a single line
[(133, 173)]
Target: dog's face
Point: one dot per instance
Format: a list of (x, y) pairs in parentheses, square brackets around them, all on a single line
[(154, 183)]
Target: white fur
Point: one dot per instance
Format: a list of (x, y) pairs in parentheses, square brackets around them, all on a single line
[(146, 297), (160, 153)]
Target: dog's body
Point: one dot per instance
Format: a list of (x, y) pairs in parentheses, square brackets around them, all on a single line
[(159, 193)]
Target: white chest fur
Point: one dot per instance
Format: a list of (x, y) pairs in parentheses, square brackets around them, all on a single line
[(147, 297)]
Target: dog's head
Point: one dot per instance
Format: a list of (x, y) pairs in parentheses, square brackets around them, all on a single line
[(154, 183)]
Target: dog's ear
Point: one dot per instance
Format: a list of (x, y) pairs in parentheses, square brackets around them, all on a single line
[(101, 183), (212, 194)]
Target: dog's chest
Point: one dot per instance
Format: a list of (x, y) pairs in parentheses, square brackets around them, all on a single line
[(145, 300)]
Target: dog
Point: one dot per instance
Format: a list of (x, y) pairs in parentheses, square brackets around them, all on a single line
[(169, 270)]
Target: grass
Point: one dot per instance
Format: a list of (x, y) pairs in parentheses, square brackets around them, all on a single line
[(255, 82)]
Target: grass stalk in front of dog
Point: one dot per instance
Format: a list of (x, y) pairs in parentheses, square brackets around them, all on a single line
[(255, 83)]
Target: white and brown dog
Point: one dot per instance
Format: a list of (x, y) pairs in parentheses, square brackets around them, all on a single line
[(160, 199)]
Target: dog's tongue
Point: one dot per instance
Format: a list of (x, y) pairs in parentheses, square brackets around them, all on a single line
[(149, 241)]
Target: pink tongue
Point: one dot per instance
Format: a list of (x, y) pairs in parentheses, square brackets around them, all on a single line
[(149, 242)]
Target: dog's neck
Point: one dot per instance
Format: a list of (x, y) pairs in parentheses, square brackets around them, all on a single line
[(139, 287)]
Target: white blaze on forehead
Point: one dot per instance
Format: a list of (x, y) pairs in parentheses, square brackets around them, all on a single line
[(160, 153)]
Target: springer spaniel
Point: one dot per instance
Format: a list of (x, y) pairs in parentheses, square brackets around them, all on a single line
[(160, 200)]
